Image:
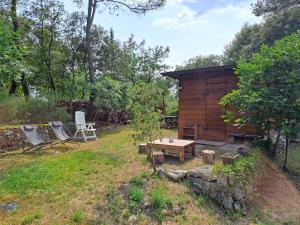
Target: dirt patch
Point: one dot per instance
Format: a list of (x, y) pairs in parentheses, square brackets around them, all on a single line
[(277, 195)]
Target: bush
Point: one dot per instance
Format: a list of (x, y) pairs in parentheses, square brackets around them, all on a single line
[(241, 170), (78, 216), (17, 110), (136, 195), (159, 199)]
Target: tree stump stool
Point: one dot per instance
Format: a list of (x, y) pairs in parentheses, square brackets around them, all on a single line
[(158, 157), (143, 148), (209, 156)]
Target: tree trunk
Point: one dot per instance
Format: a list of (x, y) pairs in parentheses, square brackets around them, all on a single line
[(90, 18), (13, 87), (275, 148), (286, 154), (25, 87), (13, 16), (152, 158)]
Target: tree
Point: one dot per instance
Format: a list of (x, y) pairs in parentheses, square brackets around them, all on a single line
[(138, 7), (46, 17), (262, 7), (276, 25), (269, 89), (146, 120), (202, 61)]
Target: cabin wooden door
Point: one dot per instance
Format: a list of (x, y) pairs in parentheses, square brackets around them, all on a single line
[(215, 128)]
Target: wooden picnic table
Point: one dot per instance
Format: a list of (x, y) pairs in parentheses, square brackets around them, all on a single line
[(176, 148)]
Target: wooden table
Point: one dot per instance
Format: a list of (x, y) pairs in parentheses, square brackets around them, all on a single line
[(177, 148)]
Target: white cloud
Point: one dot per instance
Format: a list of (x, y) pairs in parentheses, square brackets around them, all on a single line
[(188, 17), (185, 18)]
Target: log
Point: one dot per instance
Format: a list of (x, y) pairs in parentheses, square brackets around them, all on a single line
[(209, 156), (158, 157), (143, 148)]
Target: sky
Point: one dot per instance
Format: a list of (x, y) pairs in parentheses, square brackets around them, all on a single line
[(189, 27)]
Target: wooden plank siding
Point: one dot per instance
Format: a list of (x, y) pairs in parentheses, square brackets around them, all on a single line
[(199, 96)]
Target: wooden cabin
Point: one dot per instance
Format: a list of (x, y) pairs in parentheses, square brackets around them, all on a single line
[(200, 91)]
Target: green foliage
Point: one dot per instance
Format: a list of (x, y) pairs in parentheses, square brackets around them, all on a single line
[(269, 87), (17, 110), (201, 200), (111, 94), (115, 204), (137, 181), (241, 170), (262, 7), (202, 61), (78, 216), (135, 194), (252, 37), (28, 219), (160, 201), (146, 118)]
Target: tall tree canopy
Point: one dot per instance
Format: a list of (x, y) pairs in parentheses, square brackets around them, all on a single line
[(262, 7), (138, 7), (269, 88), (202, 61)]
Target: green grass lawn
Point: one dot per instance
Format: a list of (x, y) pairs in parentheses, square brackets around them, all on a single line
[(293, 158), (77, 184)]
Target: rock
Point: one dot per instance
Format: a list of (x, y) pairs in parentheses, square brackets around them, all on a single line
[(202, 172), (146, 205), (180, 173), (175, 175), (222, 179), (227, 201), (161, 172), (239, 206), (177, 209), (201, 185), (243, 150), (238, 194), (132, 219), (9, 206)]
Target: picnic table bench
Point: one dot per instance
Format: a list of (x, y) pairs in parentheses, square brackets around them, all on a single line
[(176, 148)]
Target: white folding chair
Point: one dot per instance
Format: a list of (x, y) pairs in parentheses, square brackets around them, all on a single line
[(85, 129)]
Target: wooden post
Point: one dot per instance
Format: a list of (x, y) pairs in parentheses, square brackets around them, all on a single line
[(209, 156), (158, 157), (143, 148)]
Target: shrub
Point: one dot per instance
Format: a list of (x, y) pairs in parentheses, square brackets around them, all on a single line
[(241, 169), (135, 194), (159, 199), (201, 200), (137, 181), (78, 216), (16, 110)]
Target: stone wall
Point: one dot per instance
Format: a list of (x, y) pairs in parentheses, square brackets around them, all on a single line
[(12, 138), (219, 188)]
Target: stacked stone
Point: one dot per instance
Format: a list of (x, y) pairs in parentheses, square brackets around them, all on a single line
[(216, 188), (12, 138)]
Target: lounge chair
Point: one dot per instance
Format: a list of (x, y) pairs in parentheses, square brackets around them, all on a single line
[(60, 131), (85, 129), (33, 137)]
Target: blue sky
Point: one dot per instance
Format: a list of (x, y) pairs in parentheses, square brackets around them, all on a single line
[(188, 27)]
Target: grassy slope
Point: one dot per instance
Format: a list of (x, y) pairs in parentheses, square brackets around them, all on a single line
[(54, 186), (69, 185)]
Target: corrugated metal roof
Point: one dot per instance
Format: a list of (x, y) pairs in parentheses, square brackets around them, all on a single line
[(181, 73)]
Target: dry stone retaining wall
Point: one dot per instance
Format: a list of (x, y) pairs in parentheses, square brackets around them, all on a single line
[(12, 138), (216, 188)]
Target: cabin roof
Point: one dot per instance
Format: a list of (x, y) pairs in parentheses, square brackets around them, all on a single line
[(199, 71)]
